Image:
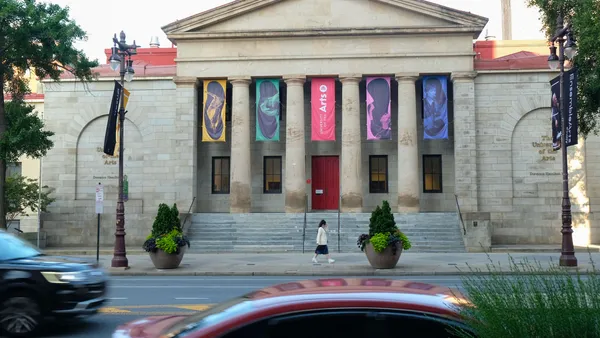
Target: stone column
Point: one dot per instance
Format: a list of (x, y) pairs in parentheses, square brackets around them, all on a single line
[(295, 152), (465, 143), (240, 200), (351, 180), (408, 150)]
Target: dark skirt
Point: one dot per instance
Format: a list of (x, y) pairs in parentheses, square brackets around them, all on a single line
[(322, 250)]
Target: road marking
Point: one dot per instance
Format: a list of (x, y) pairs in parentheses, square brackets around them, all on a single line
[(118, 298), (150, 314), (164, 306), (113, 310), (194, 307), (190, 298), (184, 287)]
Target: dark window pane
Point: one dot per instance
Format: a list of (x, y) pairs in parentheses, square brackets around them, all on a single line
[(432, 173), (272, 175), (220, 177), (378, 174)]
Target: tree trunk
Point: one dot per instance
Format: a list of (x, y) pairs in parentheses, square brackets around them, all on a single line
[(2, 162)]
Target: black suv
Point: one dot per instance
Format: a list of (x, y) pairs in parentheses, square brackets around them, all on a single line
[(34, 287)]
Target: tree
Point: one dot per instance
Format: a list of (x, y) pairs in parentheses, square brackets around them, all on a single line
[(23, 195), (38, 36), (584, 15)]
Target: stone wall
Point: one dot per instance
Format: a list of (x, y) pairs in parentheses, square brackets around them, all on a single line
[(261, 202), (519, 173), (159, 161)]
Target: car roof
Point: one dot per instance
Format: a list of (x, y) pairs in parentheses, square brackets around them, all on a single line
[(357, 289)]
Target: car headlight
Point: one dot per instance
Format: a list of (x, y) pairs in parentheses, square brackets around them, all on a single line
[(64, 277)]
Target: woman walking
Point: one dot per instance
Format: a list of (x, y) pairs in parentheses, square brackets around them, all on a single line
[(322, 243)]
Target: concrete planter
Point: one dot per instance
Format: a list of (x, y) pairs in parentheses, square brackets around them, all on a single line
[(384, 259), (163, 260)]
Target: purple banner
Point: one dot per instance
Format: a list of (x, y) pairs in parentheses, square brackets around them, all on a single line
[(435, 107), (379, 113)]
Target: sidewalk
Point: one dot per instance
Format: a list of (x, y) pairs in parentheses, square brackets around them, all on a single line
[(347, 264)]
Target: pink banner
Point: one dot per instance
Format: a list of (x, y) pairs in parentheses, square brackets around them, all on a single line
[(379, 113), (322, 109)]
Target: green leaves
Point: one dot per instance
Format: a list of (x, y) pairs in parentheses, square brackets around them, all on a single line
[(22, 197), (25, 134), (382, 220), (41, 36), (584, 15)]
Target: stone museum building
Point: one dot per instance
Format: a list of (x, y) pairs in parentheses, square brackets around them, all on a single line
[(277, 107)]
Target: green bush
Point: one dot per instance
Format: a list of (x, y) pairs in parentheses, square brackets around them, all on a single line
[(167, 234), (531, 302), (383, 229)]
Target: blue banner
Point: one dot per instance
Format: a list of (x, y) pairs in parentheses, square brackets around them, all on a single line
[(435, 107)]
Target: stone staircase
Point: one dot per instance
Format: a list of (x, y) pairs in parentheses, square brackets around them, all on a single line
[(280, 232)]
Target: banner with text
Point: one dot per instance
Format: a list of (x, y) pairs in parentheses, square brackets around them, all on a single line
[(435, 107), (110, 136), (268, 110), (379, 113), (322, 109), (569, 106), (213, 117)]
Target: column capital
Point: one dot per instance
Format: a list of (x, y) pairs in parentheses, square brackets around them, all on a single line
[(407, 77), (186, 81), (294, 79), (240, 80), (463, 76), (350, 78)]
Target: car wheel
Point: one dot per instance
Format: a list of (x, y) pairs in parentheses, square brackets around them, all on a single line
[(20, 316)]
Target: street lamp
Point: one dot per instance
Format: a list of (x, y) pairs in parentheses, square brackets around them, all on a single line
[(564, 33), (121, 60)]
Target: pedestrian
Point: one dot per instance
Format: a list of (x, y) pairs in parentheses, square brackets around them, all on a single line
[(322, 243)]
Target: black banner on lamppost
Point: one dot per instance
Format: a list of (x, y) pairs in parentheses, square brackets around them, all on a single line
[(110, 137), (569, 106)]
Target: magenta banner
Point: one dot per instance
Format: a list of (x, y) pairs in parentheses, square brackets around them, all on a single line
[(379, 114), (322, 100)]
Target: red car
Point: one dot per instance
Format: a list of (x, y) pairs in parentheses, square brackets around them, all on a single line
[(322, 308)]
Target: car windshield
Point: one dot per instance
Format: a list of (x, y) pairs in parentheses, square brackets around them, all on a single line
[(216, 315), (12, 247)]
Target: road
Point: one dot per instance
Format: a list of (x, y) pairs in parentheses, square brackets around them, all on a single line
[(132, 298)]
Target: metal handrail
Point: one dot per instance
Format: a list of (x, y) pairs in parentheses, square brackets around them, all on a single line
[(188, 214), (460, 215)]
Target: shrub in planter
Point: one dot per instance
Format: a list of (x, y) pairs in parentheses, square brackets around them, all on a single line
[(384, 238), (166, 243)]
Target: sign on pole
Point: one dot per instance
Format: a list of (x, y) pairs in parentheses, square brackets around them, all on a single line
[(99, 199)]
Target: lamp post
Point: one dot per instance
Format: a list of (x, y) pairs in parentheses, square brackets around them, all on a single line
[(569, 50), (121, 60)]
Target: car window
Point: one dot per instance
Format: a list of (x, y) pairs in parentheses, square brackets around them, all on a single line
[(408, 325), (329, 324), (12, 247)]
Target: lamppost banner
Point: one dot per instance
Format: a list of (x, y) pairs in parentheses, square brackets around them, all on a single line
[(569, 97), (110, 137)]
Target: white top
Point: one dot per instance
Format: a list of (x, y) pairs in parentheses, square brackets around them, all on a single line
[(321, 236)]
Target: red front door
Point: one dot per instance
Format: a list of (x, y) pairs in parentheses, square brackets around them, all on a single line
[(325, 182)]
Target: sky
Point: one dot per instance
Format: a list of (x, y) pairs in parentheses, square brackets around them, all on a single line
[(146, 18)]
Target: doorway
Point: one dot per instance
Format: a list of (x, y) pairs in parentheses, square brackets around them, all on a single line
[(325, 194)]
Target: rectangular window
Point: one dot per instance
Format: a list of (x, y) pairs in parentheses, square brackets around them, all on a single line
[(378, 174), (272, 175), (220, 175), (14, 168), (432, 173)]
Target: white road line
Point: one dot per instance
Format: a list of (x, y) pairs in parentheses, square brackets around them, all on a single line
[(118, 298), (190, 298), (260, 279), (183, 287)]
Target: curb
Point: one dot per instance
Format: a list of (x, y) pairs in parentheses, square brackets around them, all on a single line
[(377, 273)]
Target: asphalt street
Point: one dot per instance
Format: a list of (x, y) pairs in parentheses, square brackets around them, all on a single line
[(131, 298)]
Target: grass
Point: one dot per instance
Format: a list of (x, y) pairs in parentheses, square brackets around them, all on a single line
[(532, 301)]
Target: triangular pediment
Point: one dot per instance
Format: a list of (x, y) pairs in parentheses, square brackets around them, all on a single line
[(306, 15)]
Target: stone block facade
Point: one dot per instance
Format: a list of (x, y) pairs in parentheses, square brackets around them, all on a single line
[(159, 160), (519, 175)]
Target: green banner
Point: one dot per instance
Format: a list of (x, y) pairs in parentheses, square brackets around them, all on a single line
[(268, 109)]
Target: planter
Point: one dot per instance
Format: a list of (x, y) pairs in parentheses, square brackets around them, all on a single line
[(163, 260), (384, 259)]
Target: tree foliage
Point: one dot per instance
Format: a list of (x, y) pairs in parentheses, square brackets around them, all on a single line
[(23, 196), (584, 15), (25, 134), (35, 36)]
